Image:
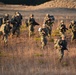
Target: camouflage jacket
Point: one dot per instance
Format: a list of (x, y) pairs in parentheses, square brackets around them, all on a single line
[(61, 44), (5, 18), (62, 28), (44, 32), (31, 21), (73, 27), (49, 22)]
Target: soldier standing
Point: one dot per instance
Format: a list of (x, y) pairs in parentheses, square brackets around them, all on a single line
[(20, 17), (61, 46), (62, 28), (73, 30), (5, 29), (49, 23), (31, 22), (16, 22), (43, 33)]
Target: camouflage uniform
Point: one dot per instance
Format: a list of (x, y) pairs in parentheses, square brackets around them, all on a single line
[(31, 21), (62, 28), (5, 18), (16, 22), (49, 23), (5, 28), (43, 33), (20, 17), (73, 30), (61, 45)]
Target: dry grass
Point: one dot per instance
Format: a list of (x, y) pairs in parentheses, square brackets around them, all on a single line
[(24, 56)]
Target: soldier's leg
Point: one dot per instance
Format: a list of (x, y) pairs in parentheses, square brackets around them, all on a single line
[(42, 42), (13, 30), (49, 33), (5, 39), (72, 38), (18, 31), (30, 30), (50, 30), (45, 41), (61, 55)]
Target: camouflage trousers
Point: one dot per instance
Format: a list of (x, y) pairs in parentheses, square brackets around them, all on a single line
[(73, 36), (43, 41), (49, 30), (5, 38), (31, 30), (61, 54), (16, 30)]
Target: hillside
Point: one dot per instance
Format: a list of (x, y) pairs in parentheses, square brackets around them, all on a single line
[(49, 4), (60, 4)]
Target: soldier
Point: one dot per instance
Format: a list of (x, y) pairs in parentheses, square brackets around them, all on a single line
[(73, 30), (5, 18), (49, 23), (43, 33), (31, 24), (16, 22), (61, 46), (5, 29), (62, 28), (20, 16)]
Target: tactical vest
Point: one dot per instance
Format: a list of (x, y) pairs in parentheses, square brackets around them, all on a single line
[(44, 30), (62, 28)]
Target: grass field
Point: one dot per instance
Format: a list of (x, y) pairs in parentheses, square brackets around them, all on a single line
[(24, 55)]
